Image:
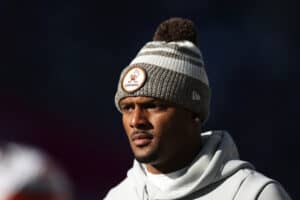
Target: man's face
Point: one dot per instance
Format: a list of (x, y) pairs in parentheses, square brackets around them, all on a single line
[(157, 131)]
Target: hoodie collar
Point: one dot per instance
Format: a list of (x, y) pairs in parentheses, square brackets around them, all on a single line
[(212, 164)]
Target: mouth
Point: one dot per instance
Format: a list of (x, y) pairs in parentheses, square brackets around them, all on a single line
[(141, 139)]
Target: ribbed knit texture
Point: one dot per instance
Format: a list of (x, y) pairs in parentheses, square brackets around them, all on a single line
[(175, 73)]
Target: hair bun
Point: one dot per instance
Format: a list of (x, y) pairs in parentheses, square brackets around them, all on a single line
[(176, 29)]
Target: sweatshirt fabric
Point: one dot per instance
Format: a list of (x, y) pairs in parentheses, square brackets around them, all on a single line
[(215, 174)]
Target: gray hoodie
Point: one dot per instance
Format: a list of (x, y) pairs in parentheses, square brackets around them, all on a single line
[(215, 174)]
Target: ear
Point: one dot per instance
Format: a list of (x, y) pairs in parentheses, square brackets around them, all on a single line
[(196, 119)]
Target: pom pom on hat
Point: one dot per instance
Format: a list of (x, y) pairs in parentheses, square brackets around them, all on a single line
[(176, 29)]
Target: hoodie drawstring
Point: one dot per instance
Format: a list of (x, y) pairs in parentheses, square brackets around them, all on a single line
[(145, 193)]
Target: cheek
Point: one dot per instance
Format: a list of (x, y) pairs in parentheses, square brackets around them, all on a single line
[(172, 126), (163, 125), (125, 123)]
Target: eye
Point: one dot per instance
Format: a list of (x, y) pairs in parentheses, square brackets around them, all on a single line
[(155, 106), (126, 108), (150, 106)]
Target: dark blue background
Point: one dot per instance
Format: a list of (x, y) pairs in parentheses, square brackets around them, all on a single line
[(60, 63)]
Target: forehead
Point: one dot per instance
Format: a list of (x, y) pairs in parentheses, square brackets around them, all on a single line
[(141, 100)]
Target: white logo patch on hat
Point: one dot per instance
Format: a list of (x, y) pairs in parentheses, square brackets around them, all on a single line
[(134, 79)]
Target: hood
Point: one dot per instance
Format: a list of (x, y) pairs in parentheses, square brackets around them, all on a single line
[(217, 160)]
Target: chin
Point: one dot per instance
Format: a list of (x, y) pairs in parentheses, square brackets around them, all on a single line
[(149, 158)]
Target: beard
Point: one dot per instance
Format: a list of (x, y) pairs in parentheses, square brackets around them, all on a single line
[(149, 158)]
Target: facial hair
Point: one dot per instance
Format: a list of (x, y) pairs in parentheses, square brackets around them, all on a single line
[(152, 157)]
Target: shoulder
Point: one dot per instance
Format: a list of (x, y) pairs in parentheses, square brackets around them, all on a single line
[(260, 187), (273, 191), (123, 189)]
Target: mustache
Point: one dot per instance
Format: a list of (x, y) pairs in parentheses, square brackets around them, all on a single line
[(140, 134)]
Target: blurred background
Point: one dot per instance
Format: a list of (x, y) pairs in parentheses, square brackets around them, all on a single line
[(61, 60)]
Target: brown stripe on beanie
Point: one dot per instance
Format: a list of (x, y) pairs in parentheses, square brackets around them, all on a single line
[(173, 46), (172, 55)]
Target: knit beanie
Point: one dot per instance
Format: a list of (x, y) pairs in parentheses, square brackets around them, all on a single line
[(170, 68)]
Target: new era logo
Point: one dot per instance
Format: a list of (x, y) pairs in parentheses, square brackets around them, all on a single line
[(196, 96)]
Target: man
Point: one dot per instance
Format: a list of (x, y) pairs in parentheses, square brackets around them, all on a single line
[(164, 95), (26, 173)]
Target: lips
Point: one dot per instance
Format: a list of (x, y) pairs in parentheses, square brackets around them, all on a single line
[(141, 139)]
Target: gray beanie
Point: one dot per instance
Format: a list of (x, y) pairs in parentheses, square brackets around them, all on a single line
[(169, 70)]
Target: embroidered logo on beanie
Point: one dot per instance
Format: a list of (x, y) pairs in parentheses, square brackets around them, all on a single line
[(134, 79), (196, 96)]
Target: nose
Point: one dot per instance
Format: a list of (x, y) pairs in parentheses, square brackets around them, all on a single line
[(139, 119)]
